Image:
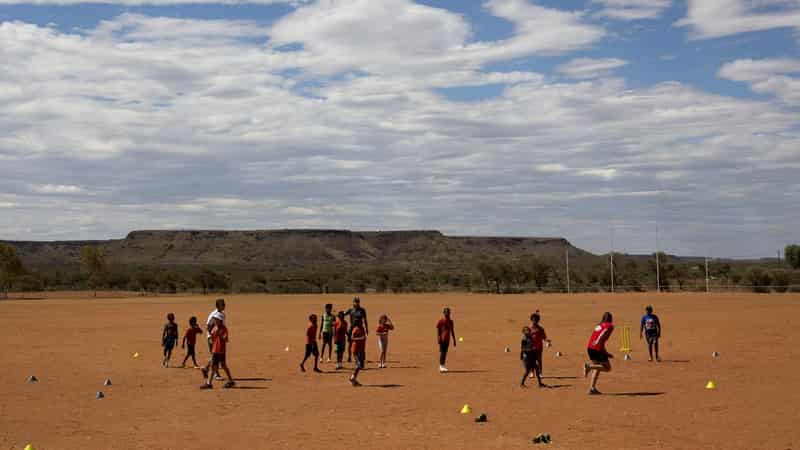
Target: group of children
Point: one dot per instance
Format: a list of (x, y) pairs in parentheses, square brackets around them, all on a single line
[(335, 332), (217, 334)]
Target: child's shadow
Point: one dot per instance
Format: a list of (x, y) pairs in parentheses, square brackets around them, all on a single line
[(382, 386), (465, 371), (634, 394)]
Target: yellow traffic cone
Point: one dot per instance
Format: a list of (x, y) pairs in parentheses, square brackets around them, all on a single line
[(29, 447), (466, 410), (136, 355), (461, 339), (711, 385)]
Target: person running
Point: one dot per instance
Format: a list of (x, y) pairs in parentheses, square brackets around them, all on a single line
[(651, 327), (189, 340), (538, 338), (598, 355), (356, 313), (169, 338), (359, 344), (340, 338), (326, 331), (445, 329), (384, 326), (311, 344), (218, 313), (219, 338)]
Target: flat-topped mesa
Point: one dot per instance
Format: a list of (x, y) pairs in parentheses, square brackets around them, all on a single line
[(299, 247)]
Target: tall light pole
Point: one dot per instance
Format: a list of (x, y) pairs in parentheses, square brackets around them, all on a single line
[(658, 268), (612, 260), (566, 253), (707, 287)]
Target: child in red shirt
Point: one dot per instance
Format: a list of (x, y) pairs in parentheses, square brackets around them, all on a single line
[(444, 330), (219, 337), (598, 355), (340, 338), (311, 344), (190, 339), (384, 326), (358, 338), (538, 338)]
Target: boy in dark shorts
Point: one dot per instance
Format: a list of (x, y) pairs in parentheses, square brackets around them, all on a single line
[(538, 338), (445, 329), (651, 327), (326, 330), (525, 354), (189, 340), (169, 338), (219, 337), (358, 337), (340, 338), (598, 355), (311, 344)]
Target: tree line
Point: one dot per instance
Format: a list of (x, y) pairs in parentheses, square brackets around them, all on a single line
[(529, 274)]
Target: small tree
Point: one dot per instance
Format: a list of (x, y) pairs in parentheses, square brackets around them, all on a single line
[(10, 267), (792, 255), (541, 273), (758, 279), (780, 280), (93, 264)]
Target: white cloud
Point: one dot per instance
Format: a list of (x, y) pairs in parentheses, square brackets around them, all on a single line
[(151, 2), (585, 68), (551, 167), (776, 77), (168, 126), (632, 9), (57, 189), (717, 18)]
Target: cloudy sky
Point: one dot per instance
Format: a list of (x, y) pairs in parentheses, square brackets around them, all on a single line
[(588, 119)]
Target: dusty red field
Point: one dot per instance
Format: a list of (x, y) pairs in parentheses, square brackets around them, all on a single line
[(72, 345)]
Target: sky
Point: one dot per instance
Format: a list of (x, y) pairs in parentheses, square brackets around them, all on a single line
[(624, 124)]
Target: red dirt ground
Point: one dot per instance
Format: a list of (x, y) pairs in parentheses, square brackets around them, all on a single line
[(73, 344)]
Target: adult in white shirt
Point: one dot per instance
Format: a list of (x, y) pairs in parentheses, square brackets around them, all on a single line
[(218, 313)]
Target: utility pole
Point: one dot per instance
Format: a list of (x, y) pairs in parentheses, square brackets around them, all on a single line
[(566, 253), (658, 268), (707, 287), (612, 260)]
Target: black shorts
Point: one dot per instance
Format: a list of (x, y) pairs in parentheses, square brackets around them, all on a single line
[(218, 358), (312, 349), (444, 347), (651, 338), (528, 360), (597, 356), (340, 347), (327, 338), (190, 350)]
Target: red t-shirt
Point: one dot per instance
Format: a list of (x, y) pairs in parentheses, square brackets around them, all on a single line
[(191, 335), (600, 335), (220, 339), (538, 336), (359, 345), (382, 329), (445, 327), (311, 333), (340, 330)]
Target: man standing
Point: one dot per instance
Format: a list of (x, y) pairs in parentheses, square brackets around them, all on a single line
[(218, 313), (651, 328), (356, 313)]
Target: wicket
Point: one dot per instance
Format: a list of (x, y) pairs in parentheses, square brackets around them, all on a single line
[(626, 339)]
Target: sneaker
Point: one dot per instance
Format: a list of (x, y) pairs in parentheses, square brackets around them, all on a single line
[(338, 366), (442, 369), (585, 369), (542, 385), (206, 386), (317, 370), (594, 391), (229, 384), (196, 367), (649, 359), (355, 383), (219, 378), (530, 376)]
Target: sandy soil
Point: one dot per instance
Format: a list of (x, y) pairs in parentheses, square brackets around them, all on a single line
[(73, 344)]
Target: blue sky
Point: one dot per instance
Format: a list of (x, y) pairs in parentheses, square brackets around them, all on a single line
[(499, 117)]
